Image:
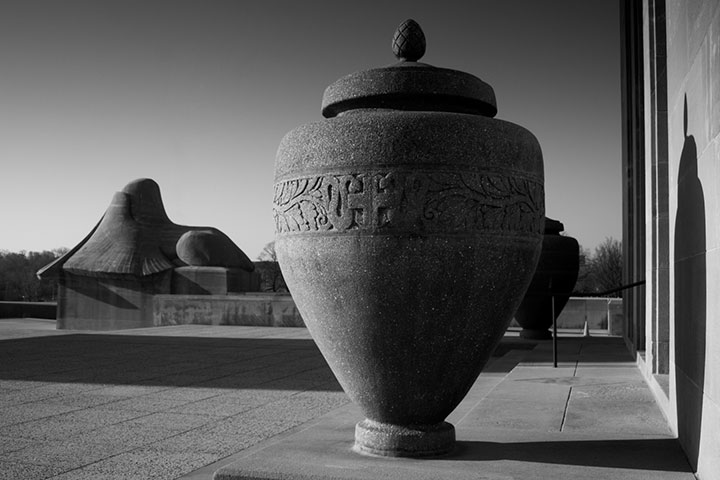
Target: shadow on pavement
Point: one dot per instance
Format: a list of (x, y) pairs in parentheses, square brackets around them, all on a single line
[(116, 359), (167, 361), (663, 455)]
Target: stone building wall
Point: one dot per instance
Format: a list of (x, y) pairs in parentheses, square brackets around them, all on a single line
[(693, 131), (672, 136)]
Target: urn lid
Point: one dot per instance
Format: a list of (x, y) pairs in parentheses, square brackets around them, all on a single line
[(409, 84), (553, 227)]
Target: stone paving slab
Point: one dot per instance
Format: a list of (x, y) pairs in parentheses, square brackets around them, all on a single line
[(535, 422), (183, 401), (150, 403), (28, 327), (323, 451)]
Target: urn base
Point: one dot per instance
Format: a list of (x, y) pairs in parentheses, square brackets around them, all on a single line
[(388, 440), (541, 334)]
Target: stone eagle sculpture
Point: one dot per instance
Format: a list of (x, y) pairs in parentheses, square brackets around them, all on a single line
[(135, 237)]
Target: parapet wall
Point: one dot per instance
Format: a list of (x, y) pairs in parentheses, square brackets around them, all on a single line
[(28, 309), (256, 309), (271, 309), (599, 313)]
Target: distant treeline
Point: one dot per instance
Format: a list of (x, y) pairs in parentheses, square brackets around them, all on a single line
[(18, 279), (599, 271)]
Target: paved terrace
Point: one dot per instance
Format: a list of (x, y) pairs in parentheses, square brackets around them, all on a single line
[(184, 401)]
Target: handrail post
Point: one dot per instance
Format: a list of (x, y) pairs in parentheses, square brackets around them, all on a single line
[(608, 317), (583, 295), (555, 352)]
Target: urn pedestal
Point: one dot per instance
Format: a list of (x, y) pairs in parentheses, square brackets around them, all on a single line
[(555, 276), (408, 227)]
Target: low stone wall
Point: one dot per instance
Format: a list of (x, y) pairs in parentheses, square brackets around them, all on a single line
[(596, 311), (28, 310), (278, 310), (257, 309)]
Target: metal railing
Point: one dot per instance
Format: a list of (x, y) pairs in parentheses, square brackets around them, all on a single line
[(589, 295)]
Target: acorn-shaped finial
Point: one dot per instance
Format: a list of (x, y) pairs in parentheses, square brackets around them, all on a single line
[(409, 41)]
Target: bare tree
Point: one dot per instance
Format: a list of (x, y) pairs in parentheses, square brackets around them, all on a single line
[(268, 253), (269, 269), (586, 279), (607, 264)]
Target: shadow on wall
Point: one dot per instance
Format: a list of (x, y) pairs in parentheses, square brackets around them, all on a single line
[(690, 297)]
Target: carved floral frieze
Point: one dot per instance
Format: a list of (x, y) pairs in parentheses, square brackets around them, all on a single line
[(418, 201)]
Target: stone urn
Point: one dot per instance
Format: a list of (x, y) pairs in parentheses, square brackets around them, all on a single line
[(408, 227), (556, 274)]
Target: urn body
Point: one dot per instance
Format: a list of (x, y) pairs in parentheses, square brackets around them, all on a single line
[(408, 239)]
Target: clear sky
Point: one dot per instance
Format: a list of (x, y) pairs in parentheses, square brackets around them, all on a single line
[(196, 94)]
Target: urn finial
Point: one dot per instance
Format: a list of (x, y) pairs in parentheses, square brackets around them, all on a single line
[(410, 84), (409, 41)]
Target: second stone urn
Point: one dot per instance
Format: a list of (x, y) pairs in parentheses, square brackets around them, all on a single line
[(408, 227), (552, 284)]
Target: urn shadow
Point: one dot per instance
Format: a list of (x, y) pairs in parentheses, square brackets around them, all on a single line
[(690, 297)]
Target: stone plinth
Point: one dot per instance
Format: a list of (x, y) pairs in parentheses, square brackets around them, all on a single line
[(213, 281), (108, 303)]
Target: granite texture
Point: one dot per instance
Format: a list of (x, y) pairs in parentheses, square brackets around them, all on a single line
[(407, 232), (389, 440)]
